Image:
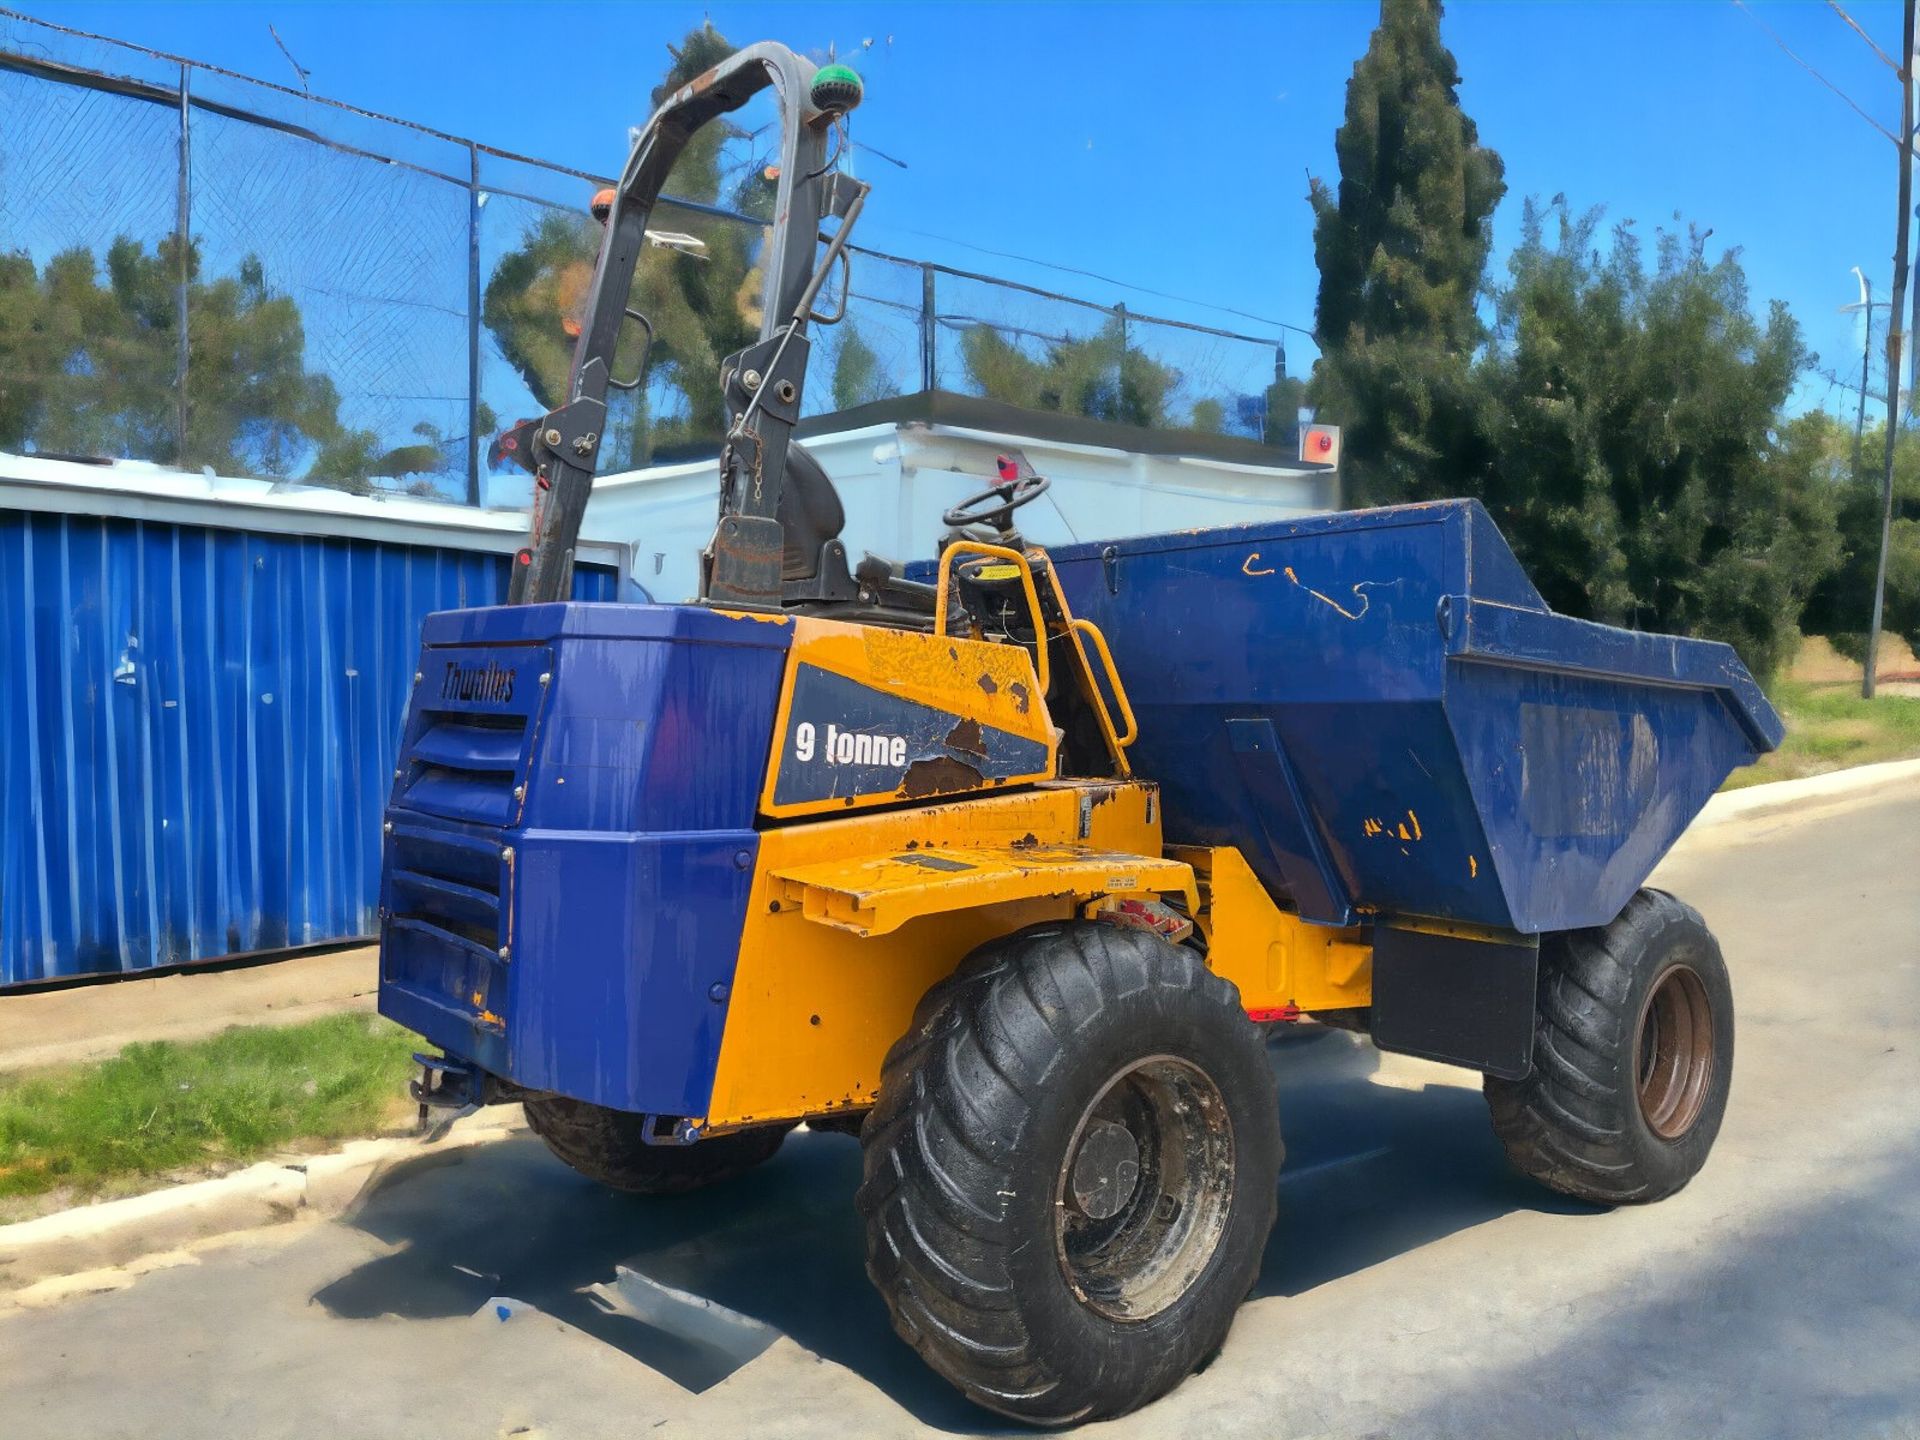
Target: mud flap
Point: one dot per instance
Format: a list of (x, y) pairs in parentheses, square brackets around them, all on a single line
[(1456, 999)]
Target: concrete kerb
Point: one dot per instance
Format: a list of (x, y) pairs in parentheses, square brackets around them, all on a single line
[(93, 1246), (1834, 787), (97, 1247)]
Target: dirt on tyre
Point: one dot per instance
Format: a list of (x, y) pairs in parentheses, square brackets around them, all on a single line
[(610, 1146), (1072, 1171), (1632, 1057)]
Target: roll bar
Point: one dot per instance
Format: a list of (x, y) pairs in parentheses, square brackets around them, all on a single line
[(763, 383)]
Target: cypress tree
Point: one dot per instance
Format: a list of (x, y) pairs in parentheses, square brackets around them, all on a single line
[(1402, 247)]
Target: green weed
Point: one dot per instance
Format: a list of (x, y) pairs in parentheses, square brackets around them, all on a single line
[(163, 1106)]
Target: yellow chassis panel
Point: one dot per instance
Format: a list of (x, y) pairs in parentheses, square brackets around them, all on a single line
[(814, 1009), (846, 931), (1276, 958)]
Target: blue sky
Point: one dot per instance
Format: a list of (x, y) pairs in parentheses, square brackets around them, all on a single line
[(1170, 145)]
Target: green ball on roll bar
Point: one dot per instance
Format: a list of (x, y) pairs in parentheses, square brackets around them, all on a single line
[(836, 89)]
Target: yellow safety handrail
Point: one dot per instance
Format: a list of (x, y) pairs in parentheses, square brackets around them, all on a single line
[(1088, 628), (996, 552), (1074, 629)]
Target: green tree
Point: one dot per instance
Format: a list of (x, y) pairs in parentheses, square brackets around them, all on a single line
[(857, 376), (1641, 473), (23, 372), (1842, 601), (1286, 397), (1402, 248), (702, 307), (1097, 375), (88, 360), (536, 297), (354, 459)]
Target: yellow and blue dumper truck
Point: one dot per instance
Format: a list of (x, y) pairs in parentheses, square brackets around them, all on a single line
[(1003, 861)]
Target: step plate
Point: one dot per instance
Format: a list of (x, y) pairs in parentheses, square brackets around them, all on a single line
[(877, 894)]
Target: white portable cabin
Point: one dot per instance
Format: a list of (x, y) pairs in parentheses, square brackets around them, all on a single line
[(899, 464)]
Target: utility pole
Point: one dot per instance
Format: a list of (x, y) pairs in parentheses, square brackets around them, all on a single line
[(1866, 355), (1913, 331), (1903, 142), (1893, 341)]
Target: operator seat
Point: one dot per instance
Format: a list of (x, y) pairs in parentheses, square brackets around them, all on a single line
[(814, 573), (810, 515)]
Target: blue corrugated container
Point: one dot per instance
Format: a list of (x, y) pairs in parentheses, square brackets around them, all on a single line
[(198, 728)]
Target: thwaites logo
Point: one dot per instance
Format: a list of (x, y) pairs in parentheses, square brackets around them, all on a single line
[(848, 747), (488, 682)]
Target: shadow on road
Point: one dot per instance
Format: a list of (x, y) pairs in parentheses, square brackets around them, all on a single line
[(1372, 1171)]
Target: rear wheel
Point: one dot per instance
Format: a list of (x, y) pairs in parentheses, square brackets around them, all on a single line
[(610, 1146), (1632, 1057), (1072, 1171)]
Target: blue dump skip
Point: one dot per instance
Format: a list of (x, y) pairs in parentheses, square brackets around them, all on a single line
[(1381, 712)]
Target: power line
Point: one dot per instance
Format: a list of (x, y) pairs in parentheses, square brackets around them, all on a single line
[(1103, 279), (878, 153), (1852, 387), (1742, 6), (1854, 25), (298, 68), (365, 114)]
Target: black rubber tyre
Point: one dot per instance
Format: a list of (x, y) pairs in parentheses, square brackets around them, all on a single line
[(608, 1146), (1632, 1057), (1016, 1251)]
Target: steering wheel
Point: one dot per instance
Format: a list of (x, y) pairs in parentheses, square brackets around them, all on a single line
[(1011, 494)]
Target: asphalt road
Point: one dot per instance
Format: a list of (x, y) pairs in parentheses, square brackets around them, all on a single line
[(1413, 1287)]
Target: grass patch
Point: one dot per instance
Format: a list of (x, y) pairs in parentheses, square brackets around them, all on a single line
[(162, 1107), (1829, 725)]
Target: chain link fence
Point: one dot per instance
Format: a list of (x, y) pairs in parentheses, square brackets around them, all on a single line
[(199, 269)]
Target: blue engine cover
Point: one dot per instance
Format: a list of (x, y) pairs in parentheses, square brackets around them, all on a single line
[(570, 843)]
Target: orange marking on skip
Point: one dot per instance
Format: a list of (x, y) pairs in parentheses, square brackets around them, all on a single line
[(1329, 600), (1473, 868)]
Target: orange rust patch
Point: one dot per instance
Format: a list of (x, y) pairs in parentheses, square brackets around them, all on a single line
[(941, 775), (967, 738)]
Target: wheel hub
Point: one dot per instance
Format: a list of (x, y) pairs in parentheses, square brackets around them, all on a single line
[(1674, 1053), (1146, 1185), (1106, 1171)]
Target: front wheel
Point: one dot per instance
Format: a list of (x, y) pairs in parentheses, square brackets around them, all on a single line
[(1072, 1171), (1632, 1057)]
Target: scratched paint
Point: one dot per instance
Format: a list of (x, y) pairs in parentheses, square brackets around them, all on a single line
[(1359, 591), (1407, 831), (1254, 567)]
